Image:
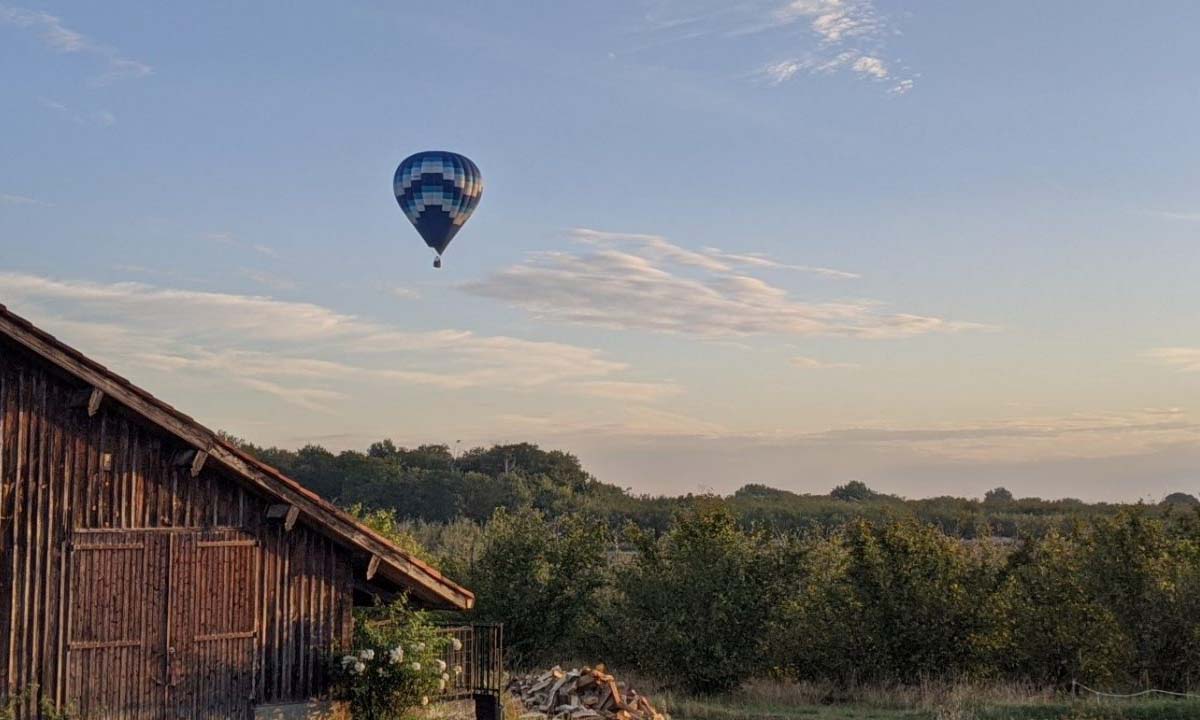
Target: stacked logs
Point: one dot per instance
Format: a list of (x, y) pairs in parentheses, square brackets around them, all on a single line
[(581, 694)]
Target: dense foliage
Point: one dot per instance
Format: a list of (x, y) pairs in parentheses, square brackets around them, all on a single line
[(1112, 602), (851, 588), (394, 665)]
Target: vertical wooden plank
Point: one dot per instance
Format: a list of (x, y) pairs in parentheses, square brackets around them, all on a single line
[(260, 598), (6, 514), (36, 566), (55, 491), (18, 662), (288, 617), (104, 478), (301, 614)]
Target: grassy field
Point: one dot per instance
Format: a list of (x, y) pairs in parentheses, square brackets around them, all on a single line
[(777, 701), (938, 700), (732, 709)]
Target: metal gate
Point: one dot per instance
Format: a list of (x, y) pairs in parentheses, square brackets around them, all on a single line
[(161, 623)]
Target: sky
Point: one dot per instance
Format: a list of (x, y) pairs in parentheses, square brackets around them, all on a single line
[(932, 246)]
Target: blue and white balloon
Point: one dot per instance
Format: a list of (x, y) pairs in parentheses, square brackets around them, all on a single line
[(438, 191)]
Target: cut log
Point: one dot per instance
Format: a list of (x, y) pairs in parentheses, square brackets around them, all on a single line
[(586, 694)]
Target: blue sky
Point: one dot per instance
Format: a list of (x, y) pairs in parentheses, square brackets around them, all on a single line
[(933, 246)]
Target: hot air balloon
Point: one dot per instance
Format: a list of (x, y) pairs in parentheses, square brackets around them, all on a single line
[(438, 191)]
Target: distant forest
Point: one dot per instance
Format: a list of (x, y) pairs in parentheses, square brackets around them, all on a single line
[(431, 484)]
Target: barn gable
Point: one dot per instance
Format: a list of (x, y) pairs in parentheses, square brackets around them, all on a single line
[(152, 569)]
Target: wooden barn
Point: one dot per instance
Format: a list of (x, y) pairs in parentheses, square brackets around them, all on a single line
[(149, 569)]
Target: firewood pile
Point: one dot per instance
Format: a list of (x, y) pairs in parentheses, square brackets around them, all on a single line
[(581, 694)]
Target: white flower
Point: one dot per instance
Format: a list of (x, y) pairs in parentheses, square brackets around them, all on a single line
[(396, 655), (424, 700), (456, 643), (445, 677), (357, 668), (458, 669), (442, 684), (347, 661), (416, 666), (441, 664), (367, 654), (419, 647)]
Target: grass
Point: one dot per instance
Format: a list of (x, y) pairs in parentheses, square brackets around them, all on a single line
[(934, 700), (767, 700)]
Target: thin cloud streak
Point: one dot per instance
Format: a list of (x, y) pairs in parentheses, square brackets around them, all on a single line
[(60, 38), (1184, 359), (808, 363), (651, 284), (7, 199)]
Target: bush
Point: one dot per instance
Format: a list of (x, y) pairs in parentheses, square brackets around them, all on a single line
[(394, 665), (540, 579), (893, 602), (695, 603)]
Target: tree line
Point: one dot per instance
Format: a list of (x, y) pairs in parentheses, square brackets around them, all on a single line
[(432, 484), (849, 588)]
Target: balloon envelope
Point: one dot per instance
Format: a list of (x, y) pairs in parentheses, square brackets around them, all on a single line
[(438, 191)]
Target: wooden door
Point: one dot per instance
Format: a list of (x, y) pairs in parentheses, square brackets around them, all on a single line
[(163, 624), (213, 624), (116, 620)]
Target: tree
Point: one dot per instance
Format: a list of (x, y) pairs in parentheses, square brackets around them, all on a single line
[(1055, 629), (1181, 498), (892, 602), (853, 491), (997, 496), (538, 578), (699, 599)]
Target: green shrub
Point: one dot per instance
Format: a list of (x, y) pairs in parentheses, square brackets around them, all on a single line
[(394, 664), (696, 602)]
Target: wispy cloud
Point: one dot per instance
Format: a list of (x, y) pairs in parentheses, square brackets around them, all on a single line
[(266, 279), (814, 364), (228, 238), (1168, 215), (60, 38), (851, 36), (7, 199), (806, 37), (303, 353), (103, 118), (1185, 359), (659, 248), (645, 282), (405, 293), (620, 390)]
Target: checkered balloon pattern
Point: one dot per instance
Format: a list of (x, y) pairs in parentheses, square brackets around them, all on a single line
[(438, 191)]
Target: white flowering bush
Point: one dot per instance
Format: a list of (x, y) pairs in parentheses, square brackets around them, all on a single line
[(394, 665)]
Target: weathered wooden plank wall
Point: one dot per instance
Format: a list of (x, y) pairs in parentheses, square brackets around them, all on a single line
[(63, 472)]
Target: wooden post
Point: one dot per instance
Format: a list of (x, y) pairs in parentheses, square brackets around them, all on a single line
[(488, 707)]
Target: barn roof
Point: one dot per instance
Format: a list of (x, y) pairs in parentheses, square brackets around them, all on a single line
[(386, 560)]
